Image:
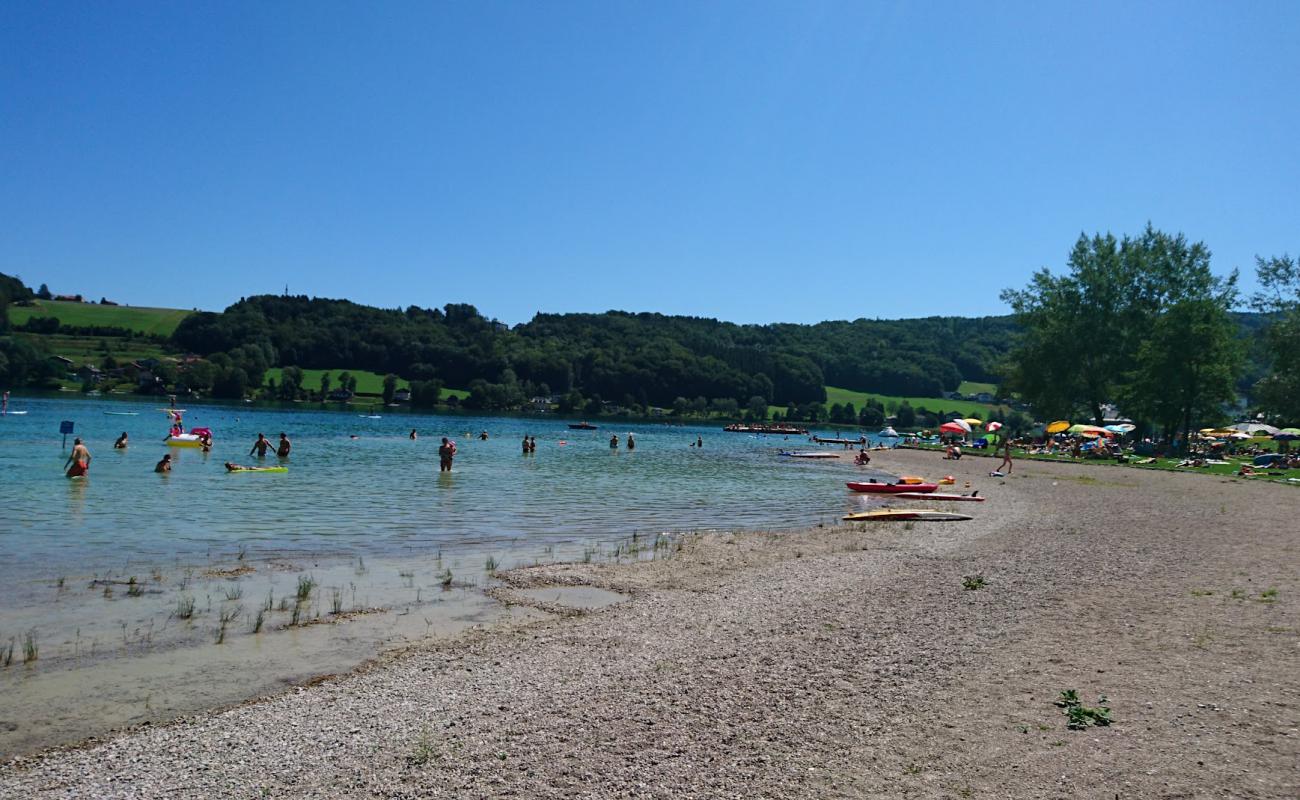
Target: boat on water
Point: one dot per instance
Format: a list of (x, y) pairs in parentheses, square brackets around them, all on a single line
[(876, 487), (583, 426), (785, 430), (826, 440), (789, 454)]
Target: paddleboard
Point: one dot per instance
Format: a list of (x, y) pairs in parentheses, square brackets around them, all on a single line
[(258, 469), (906, 514), (369, 416), (15, 413), (939, 496), (808, 455), (122, 413)]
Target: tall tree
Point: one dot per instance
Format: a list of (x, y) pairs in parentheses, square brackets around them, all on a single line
[(1186, 369), (1082, 331), (1278, 393)]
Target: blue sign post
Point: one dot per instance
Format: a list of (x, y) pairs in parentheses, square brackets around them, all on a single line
[(65, 427)]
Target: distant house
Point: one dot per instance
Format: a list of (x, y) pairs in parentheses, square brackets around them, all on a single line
[(402, 396), (541, 402), (340, 395)]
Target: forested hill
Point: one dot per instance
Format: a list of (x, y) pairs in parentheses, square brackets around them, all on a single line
[(650, 358)]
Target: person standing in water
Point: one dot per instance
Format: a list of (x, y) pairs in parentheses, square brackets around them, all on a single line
[(78, 463), (613, 442), (631, 443), (699, 441), (532, 444), (414, 436), (526, 450), (261, 446), (446, 452), (121, 442), (285, 446), (165, 465)]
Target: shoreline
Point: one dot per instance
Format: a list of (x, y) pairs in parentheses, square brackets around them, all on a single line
[(832, 662)]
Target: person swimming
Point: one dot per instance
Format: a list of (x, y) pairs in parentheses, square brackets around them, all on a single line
[(613, 442), (631, 443)]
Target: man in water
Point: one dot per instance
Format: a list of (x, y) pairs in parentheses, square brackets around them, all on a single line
[(165, 465), (121, 442), (446, 452), (283, 450), (261, 446), (631, 443), (78, 463), (414, 435), (613, 442)]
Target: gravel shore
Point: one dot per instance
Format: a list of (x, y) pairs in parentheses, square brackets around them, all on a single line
[(837, 662)]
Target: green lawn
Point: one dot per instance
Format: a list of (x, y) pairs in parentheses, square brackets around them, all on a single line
[(367, 382), (160, 321), (858, 399), (971, 387), (92, 349)]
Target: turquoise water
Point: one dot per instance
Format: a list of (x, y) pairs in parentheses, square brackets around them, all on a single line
[(380, 493), (96, 571)]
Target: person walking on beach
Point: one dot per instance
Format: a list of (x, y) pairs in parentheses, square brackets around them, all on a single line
[(78, 464), (285, 446), (261, 446), (1005, 466), (446, 452)]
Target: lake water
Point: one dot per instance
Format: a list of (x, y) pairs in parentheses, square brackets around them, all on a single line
[(93, 570)]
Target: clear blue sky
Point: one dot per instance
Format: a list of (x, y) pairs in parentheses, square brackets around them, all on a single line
[(755, 162)]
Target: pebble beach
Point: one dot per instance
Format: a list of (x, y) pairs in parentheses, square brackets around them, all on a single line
[(845, 661)]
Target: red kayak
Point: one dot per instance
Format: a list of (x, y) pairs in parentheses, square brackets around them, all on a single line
[(938, 496), (892, 488)]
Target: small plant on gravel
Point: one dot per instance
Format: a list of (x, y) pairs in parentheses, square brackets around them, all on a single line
[(1268, 596), (306, 584), (423, 752), (1202, 592), (444, 579), (973, 583), (912, 769), (1080, 716), (296, 618), (1238, 594), (259, 621)]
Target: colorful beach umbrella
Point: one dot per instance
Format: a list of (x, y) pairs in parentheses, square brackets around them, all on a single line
[(1058, 426), (994, 426), (956, 426), (1123, 427), (973, 422), (1081, 428), (1287, 434)]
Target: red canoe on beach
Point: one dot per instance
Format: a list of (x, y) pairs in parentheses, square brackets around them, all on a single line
[(890, 488)]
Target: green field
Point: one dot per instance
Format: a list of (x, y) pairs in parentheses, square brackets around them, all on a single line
[(367, 382), (858, 399), (92, 349), (161, 321), (971, 387)]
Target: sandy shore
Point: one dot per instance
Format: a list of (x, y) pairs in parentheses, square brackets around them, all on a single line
[(832, 663)]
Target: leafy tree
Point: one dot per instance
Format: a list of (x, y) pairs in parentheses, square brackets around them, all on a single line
[(871, 416), (1278, 392), (44, 292), (390, 387), (324, 385), (680, 406), (905, 415), (1081, 331), (757, 407), (290, 383)]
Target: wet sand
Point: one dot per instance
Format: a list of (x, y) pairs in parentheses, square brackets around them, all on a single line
[(839, 662)]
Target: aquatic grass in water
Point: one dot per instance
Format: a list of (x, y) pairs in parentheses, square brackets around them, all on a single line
[(336, 601), (491, 564), (185, 607), (30, 649), (306, 584), (233, 592)]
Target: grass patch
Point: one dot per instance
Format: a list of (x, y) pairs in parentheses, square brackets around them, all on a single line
[(367, 382), (1080, 716), (161, 321), (973, 583), (834, 394)]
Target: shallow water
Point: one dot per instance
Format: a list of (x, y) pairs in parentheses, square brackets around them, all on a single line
[(97, 571)]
